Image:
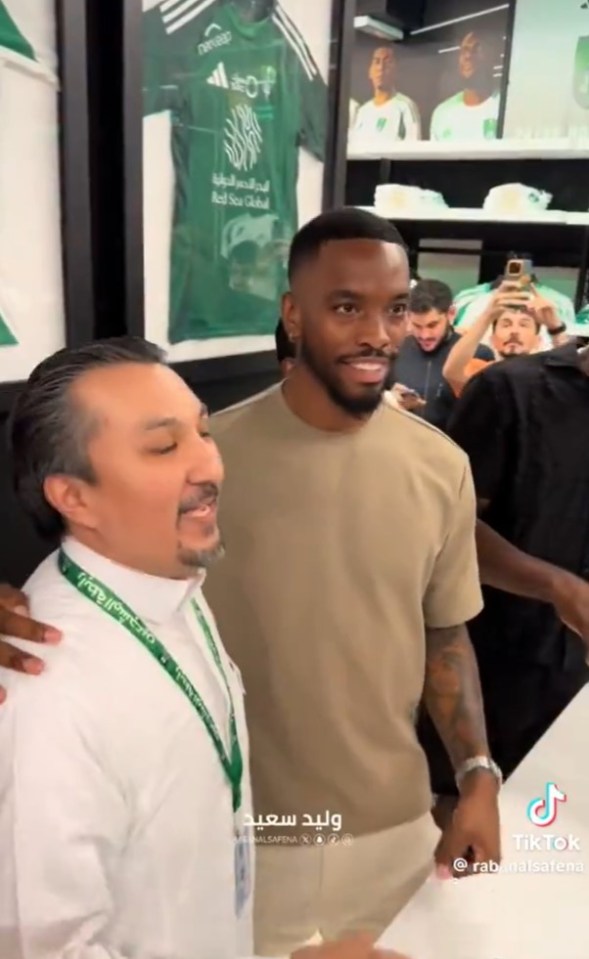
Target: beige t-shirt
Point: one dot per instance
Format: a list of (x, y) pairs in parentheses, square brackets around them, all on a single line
[(341, 548)]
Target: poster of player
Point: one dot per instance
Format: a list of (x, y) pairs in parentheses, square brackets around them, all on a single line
[(445, 84), (234, 137), (549, 74), (32, 323)]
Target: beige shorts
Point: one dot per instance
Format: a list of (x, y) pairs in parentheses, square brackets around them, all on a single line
[(308, 893)]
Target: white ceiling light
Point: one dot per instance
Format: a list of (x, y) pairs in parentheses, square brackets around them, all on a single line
[(377, 28)]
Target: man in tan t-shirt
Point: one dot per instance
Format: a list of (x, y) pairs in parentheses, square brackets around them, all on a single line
[(350, 572)]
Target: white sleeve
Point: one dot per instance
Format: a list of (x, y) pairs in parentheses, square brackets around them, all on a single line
[(434, 132), (63, 823), (414, 129)]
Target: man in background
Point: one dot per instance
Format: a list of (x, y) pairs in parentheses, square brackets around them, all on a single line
[(389, 116), (516, 318), (472, 302), (471, 114), (420, 386), (523, 424)]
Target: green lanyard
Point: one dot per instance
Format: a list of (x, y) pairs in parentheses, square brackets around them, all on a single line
[(110, 603)]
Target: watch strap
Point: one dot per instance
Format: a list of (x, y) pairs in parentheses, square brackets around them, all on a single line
[(479, 762), (557, 330)]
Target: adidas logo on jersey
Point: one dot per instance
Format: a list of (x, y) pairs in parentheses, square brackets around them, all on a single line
[(218, 77)]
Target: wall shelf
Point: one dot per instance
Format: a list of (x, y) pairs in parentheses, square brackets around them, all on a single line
[(565, 149), (466, 215)]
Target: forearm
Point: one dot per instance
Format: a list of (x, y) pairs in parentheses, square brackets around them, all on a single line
[(452, 694), (559, 339), (464, 350), (506, 567)]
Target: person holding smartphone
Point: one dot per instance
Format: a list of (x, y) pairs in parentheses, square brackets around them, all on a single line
[(516, 314)]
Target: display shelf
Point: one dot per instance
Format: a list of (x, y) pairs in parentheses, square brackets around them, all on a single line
[(466, 215), (565, 149)]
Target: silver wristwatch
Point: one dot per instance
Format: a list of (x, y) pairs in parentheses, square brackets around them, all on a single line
[(479, 762)]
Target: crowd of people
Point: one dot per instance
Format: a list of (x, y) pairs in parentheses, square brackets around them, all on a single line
[(388, 551)]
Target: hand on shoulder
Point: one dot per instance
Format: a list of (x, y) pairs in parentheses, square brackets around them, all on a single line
[(15, 621)]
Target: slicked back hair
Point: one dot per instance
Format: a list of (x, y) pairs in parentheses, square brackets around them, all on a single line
[(48, 432)]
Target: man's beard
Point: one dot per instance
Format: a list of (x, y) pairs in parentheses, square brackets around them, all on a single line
[(201, 558), (510, 354), (357, 406)]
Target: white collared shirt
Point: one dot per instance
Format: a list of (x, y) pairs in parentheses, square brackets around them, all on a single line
[(116, 822)]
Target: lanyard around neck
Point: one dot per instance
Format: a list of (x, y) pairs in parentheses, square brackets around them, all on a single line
[(113, 606)]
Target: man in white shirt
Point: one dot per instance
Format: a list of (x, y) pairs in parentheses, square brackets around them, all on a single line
[(390, 116), (124, 784), (473, 113)]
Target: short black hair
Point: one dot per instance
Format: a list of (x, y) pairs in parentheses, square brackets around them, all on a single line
[(347, 223), (285, 349), (429, 295), (48, 433)]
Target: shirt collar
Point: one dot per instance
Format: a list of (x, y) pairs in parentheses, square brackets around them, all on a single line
[(150, 597), (567, 355)]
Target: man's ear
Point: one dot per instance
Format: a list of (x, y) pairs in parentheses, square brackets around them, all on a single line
[(452, 314), (291, 319), (69, 497)]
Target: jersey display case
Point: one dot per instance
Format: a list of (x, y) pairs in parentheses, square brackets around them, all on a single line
[(45, 263), (238, 135)]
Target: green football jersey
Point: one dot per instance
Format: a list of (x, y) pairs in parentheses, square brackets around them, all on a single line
[(581, 325), (243, 97), (13, 43), (14, 47)]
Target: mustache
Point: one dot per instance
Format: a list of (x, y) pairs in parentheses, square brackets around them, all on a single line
[(205, 494), (386, 355)]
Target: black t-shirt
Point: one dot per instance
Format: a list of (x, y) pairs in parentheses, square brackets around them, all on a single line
[(525, 426)]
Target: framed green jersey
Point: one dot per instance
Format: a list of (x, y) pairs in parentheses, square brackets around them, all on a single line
[(45, 302), (235, 133)]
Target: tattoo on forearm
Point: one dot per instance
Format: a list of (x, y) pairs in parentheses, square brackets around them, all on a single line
[(452, 693)]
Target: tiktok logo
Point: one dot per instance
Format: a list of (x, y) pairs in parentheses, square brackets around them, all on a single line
[(543, 811)]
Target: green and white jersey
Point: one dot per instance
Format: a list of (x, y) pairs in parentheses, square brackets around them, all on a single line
[(243, 97), (454, 121), (7, 334), (378, 125), (15, 49), (471, 303), (581, 324), (15, 46)]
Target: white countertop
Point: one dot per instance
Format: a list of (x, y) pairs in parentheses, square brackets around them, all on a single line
[(539, 912)]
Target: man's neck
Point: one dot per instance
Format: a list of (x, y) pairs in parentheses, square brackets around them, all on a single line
[(474, 97), (382, 96), (92, 541), (308, 400)]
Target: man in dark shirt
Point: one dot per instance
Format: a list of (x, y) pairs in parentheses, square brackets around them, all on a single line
[(423, 355), (524, 425)]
